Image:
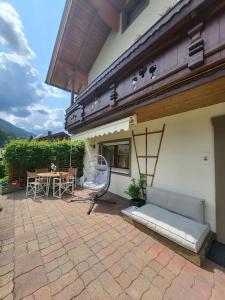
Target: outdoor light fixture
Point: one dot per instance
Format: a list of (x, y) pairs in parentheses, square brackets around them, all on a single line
[(152, 71)]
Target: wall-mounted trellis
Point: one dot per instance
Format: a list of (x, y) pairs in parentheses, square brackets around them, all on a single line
[(146, 155)]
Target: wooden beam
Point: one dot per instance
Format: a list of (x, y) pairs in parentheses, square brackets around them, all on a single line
[(72, 92), (68, 68), (77, 79), (201, 96), (109, 15)]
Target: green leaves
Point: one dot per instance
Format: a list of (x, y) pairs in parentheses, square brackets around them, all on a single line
[(134, 189), (23, 155)]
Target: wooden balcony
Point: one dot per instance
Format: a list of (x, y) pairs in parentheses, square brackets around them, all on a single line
[(178, 65)]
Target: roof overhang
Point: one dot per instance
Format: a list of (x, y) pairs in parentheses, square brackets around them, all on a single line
[(84, 27)]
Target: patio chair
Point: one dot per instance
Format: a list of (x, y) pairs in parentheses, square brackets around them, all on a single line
[(36, 185), (45, 180), (63, 184), (73, 172), (97, 177)]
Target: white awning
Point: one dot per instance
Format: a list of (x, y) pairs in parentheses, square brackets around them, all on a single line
[(117, 126)]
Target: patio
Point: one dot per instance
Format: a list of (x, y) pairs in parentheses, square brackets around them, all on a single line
[(51, 249)]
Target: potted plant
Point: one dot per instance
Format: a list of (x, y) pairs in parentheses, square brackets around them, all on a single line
[(135, 192), (8, 187), (53, 167)]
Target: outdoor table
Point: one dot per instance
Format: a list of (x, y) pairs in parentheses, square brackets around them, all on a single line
[(50, 176)]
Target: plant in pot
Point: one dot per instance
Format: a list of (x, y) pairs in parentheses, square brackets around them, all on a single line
[(134, 190)]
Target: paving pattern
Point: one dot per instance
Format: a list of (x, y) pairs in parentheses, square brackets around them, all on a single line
[(51, 249)]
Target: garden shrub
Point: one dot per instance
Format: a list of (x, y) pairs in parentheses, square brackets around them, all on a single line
[(23, 155), (4, 179)]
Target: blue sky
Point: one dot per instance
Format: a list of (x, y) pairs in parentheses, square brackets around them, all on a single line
[(28, 32)]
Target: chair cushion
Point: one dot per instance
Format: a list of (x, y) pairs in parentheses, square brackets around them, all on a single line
[(186, 206), (101, 168), (183, 231), (93, 186)]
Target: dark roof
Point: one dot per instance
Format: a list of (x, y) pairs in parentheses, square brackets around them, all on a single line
[(54, 135)]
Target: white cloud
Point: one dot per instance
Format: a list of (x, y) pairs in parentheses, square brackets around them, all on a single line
[(39, 120), (11, 31), (22, 93)]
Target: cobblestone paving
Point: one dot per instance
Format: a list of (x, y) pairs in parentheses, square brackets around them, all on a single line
[(51, 249)]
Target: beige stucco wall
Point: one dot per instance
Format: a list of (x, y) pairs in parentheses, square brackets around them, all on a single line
[(181, 168), (118, 42)]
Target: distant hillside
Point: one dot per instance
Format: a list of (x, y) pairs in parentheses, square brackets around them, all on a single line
[(9, 131)]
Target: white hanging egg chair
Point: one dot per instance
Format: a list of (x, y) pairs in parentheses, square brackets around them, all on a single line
[(97, 176)]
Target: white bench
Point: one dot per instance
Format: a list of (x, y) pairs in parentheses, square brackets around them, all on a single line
[(177, 217)]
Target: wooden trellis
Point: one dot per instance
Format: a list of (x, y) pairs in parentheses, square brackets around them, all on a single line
[(146, 156)]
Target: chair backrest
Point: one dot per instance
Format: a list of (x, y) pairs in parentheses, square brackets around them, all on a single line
[(187, 206), (64, 176), (44, 170), (72, 171), (31, 174)]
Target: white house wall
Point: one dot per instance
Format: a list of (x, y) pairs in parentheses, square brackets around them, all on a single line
[(186, 162)]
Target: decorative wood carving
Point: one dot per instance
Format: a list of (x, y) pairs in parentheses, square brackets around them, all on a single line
[(82, 115), (142, 71), (113, 95), (196, 47)]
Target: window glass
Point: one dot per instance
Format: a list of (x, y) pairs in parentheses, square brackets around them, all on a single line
[(131, 11), (117, 155)]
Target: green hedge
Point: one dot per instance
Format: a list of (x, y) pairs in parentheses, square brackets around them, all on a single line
[(22, 155)]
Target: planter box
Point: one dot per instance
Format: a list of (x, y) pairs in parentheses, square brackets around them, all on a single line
[(9, 189), (137, 203)]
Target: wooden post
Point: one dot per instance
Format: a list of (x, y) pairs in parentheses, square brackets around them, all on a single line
[(72, 92)]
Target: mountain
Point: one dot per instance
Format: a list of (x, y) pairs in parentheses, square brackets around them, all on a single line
[(9, 131)]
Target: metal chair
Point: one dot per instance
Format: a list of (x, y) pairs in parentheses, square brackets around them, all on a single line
[(36, 185), (97, 177), (64, 184)]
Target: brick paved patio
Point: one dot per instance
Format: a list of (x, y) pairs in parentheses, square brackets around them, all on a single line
[(51, 249)]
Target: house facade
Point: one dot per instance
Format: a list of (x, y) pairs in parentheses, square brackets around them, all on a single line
[(148, 92)]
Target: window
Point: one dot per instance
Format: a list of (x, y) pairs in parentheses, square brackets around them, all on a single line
[(117, 155), (131, 11)]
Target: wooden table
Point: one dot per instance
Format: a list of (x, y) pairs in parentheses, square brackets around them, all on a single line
[(51, 174)]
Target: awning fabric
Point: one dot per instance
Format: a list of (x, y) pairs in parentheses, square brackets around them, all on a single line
[(117, 126)]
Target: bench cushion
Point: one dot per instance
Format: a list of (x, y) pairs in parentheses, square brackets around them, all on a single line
[(186, 206), (183, 231)]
